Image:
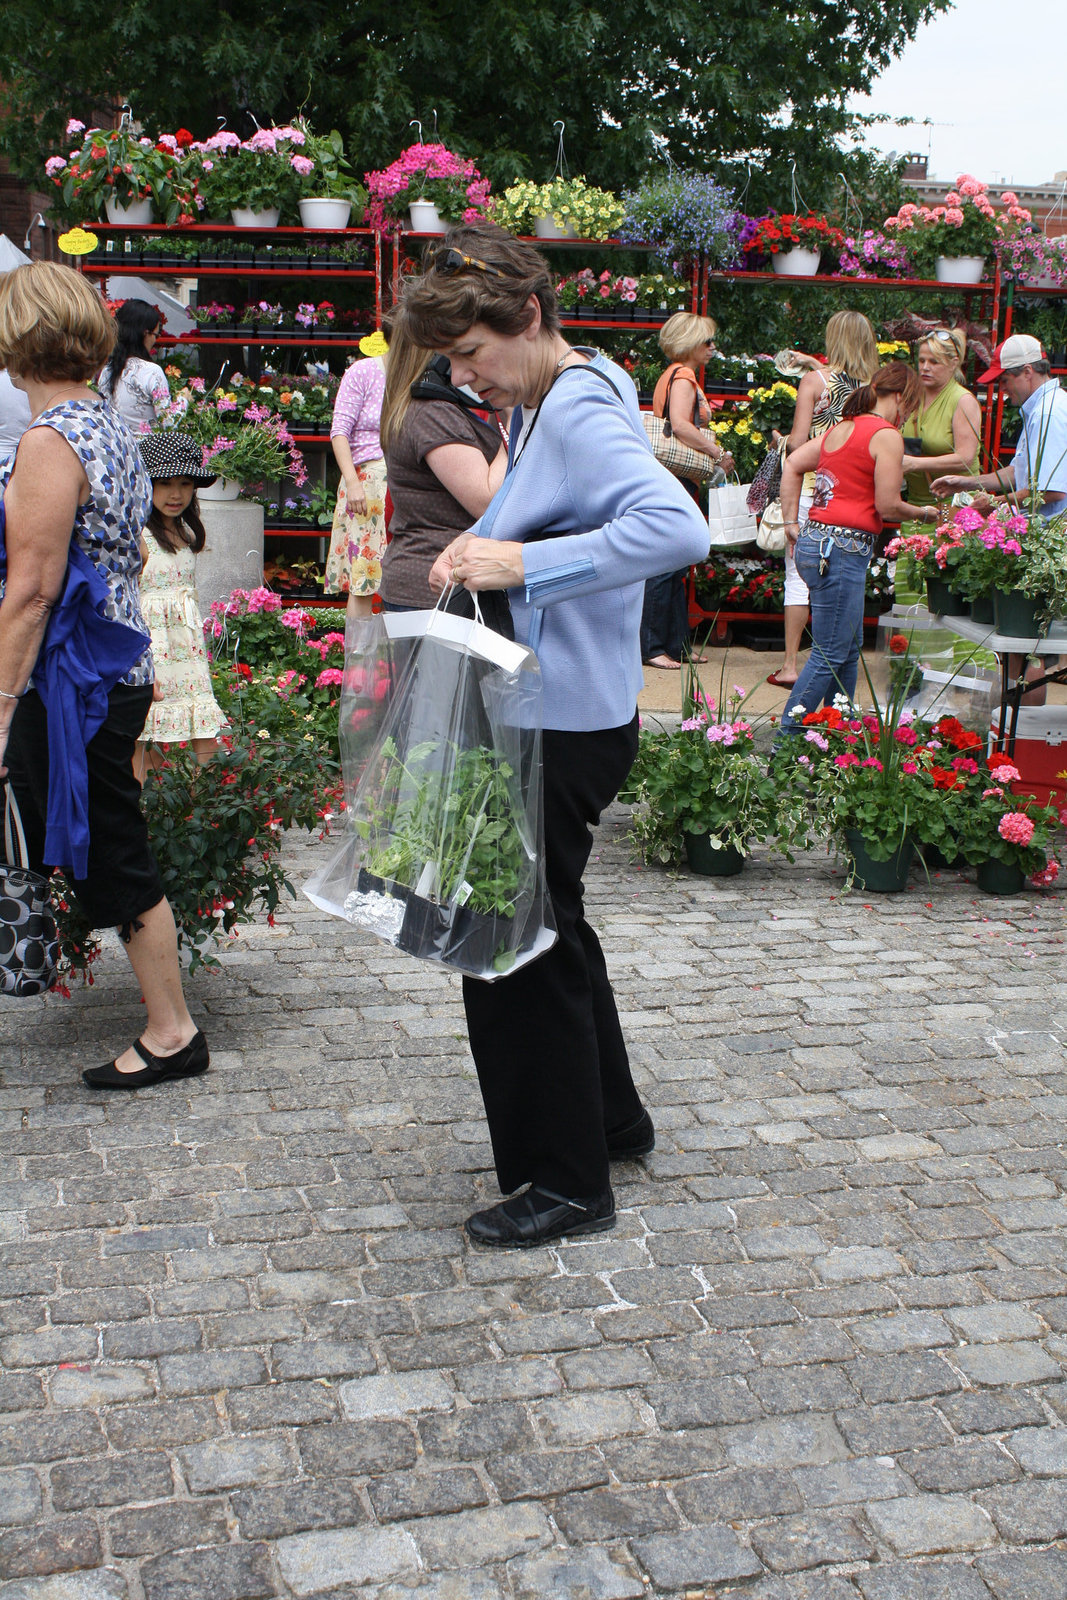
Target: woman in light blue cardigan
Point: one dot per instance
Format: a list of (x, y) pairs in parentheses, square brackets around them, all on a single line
[(584, 517)]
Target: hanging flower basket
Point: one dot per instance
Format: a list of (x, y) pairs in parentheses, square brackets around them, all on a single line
[(960, 269), (798, 263), (426, 172)]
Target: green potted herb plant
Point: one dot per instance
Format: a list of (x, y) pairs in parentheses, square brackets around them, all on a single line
[(702, 789)]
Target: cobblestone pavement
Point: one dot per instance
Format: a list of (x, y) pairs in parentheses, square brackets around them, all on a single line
[(247, 1353)]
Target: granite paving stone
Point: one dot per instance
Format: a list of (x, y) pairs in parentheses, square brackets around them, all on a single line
[(245, 1350)]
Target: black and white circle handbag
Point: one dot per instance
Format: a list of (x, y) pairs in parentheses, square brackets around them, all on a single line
[(29, 946)]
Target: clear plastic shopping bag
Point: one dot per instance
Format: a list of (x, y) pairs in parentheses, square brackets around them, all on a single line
[(443, 854)]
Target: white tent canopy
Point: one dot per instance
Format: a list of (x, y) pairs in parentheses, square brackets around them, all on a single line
[(178, 318), (10, 255)]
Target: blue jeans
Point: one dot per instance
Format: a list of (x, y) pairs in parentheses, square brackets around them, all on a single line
[(836, 622), (665, 616)]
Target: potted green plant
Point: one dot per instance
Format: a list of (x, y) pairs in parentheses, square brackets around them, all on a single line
[(244, 446), (1019, 559), (952, 241), (937, 559), (124, 175), (683, 214), (1008, 837), (866, 782), (253, 181), (702, 789), (428, 186), (443, 840), (328, 187), (795, 243), (563, 208)]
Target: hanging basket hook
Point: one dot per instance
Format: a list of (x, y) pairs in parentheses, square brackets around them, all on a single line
[(561, 160), (850, 198), (415, 123)]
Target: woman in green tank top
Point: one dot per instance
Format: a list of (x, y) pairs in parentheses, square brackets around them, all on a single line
[(947, 426)]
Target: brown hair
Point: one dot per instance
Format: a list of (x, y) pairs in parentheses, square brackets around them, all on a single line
[(53, 324), (851, 346), (441, 305), (896, 378)]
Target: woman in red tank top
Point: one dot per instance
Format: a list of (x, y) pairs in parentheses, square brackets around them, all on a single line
[(858, 468)]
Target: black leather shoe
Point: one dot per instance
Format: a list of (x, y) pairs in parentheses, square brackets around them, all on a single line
[(537, 1216), (185, 1063), (637, 1139)]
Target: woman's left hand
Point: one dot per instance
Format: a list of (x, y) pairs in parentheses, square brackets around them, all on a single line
[(488, 564)]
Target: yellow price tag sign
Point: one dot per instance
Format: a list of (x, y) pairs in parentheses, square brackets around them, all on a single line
[(374, 344), (77, 242)]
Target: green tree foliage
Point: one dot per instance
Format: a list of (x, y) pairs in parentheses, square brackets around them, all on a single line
[(714, 88)]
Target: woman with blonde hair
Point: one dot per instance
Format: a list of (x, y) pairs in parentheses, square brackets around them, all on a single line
[(942, 434), (851, 359), (687, 341)]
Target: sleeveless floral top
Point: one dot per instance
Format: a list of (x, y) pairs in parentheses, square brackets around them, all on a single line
[(108, 526)]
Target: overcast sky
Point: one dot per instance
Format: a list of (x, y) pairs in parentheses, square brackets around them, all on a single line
[(990, 78)]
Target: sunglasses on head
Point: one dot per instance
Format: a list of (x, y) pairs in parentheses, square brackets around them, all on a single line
[(451, 261)]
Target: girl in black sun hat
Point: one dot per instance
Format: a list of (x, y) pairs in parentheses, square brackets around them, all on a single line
[(187, 711)]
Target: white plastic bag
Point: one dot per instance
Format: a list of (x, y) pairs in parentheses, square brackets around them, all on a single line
[(441, 754), (730, 522)]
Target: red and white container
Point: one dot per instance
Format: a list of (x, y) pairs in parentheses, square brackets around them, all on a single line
[(1041, 752)]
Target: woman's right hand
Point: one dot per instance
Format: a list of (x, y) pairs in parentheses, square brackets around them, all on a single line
[(441, 571), (355, 497), (726, 462)]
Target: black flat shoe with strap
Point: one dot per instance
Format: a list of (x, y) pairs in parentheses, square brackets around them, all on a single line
[(188, 1062), (538, 1215)]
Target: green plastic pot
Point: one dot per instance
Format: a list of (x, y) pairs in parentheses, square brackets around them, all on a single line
[(703, 857), (1016, 615), (879, 877), (982, 610), (943, 601), (1001, 877)]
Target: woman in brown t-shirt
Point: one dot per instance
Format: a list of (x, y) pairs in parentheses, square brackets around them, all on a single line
[(443, 467)]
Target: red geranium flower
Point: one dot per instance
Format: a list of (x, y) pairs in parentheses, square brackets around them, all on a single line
[(183, 138)]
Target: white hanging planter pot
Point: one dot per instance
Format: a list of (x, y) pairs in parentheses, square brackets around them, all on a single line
[(329, 216), (425, 217), (797, 263), (221, 489), (960, 269), (136, 215), (244, 218), (1043, 280), (549, 228)]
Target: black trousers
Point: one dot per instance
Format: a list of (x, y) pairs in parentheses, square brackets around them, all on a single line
[(546, 1041), (122, 880)]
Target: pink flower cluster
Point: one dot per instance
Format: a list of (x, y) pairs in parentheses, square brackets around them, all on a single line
[(1016, 827), (397, 184)]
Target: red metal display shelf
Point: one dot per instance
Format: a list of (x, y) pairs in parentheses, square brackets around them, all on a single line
[(132, 269)]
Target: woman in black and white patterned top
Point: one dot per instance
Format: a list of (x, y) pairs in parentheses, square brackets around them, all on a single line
[(75, 501)]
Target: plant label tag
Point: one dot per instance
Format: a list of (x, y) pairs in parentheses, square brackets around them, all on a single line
[(426, 888), (463, 893)]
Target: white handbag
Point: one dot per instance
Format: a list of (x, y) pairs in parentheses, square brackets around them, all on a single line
[(770, 535), (730, 522)]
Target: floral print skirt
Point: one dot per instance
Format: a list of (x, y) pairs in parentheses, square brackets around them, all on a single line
[(357, 543)]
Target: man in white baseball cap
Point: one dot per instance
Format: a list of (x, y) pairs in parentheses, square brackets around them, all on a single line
[(1038, 470)]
